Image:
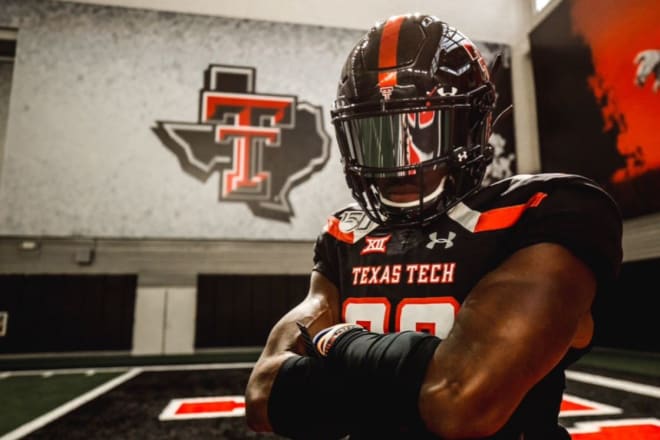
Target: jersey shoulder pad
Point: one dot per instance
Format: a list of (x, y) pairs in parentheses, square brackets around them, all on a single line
[(502, 204), (349, 225), (520, 188), (543, 181)]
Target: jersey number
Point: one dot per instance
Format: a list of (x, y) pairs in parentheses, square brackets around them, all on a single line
[(433, 315)]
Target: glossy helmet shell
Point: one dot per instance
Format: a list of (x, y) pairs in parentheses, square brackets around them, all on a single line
[(412, 68)]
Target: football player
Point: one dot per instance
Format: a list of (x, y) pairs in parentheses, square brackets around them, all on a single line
[(438, 308)]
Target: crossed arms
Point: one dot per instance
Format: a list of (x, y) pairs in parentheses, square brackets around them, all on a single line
[(513, 328)]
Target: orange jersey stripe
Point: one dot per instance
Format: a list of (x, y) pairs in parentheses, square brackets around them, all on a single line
[(332, 227), (501, 218)]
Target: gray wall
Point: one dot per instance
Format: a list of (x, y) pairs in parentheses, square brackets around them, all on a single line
[(6, 70), (89, 83)]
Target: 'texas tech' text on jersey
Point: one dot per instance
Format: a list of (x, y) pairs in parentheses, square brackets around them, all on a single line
[(442, 261)]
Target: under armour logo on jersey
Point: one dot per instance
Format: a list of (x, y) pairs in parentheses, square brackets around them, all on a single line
[(376, 245), (448, 242)]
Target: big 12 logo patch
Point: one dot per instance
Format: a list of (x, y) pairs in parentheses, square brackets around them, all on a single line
[(262, 145)]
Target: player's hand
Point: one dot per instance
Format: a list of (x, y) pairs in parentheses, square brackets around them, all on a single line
[(325, 339)]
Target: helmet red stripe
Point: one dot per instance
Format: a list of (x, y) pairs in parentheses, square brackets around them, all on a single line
[(389, 43)]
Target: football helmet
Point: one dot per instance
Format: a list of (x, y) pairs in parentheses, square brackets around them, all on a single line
[(413, 110)]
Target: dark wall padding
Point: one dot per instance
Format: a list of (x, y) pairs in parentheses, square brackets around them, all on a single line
[(239, 310), (67, 313)]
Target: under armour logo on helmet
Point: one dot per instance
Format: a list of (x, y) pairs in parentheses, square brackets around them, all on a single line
[(448, 242)]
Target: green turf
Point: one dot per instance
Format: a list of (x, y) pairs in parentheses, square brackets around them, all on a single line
[(8, 363), (647, 364), (27, 397)]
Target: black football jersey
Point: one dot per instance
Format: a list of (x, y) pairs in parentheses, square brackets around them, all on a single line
[(417, 278)]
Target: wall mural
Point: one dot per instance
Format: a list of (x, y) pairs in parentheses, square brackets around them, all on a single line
[(263, 145), (597, 77), (136, 137)]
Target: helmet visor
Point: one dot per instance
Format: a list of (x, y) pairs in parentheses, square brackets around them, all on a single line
[(398, 140)]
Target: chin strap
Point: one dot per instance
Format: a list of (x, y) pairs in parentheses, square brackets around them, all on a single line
[(506, 112), (494, 69)]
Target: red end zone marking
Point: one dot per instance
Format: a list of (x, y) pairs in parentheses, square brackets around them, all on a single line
[(203, 408), (572, 406), (630, 429), (207, 407), (567, 405)]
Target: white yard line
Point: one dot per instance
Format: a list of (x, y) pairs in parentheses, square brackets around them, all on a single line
[(174, 367), (37, 423), (618, 384), (222, 366)]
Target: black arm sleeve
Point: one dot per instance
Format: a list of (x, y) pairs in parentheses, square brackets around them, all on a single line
[(385, 373), (308, 401)]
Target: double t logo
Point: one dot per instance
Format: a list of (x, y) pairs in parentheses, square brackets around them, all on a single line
[(248, 123), (262, 145)]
